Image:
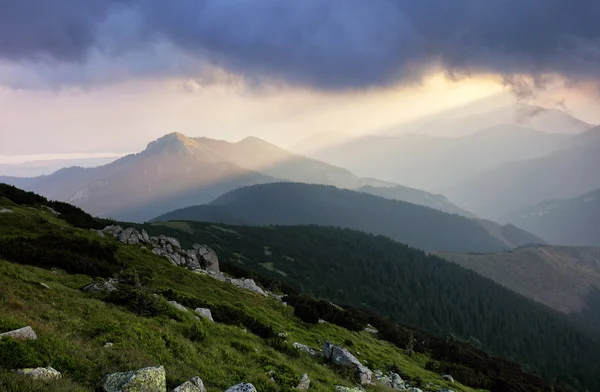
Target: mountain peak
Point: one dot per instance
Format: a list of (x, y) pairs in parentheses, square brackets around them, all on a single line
[(172, 142)]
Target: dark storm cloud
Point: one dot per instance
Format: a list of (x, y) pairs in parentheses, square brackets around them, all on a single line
[(324, 43)]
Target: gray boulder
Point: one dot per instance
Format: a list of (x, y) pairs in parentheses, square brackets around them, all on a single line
[(243, 387), (99, 232), (340, 388), (207, 257), (304, 383), (193, 385), (382, 378), (151, 379), (178, 306), (204, 313), (145, 237), (397, 381), (104, 286), (25, 333), (342, 357), (113, 230), (304, 348), (52, 210), (448, 378), (5, 211), (248, 284), (47, 373), (129, 236)]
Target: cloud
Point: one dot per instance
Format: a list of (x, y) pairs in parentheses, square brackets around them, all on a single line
[(324, 44)]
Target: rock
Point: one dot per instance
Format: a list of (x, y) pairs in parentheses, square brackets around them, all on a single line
[(343, 357), (113, 230), (178, 306), (371, 330), (248, 284), (207, 257), (109, 345), (397, 381), (321, 321), (52, 210), (340, 388), (446, 390), (413, 389), (204, 313), (243, 387), (5, 211), (448, 378), (129, 236), (145, 237), (25, 333), (193, 385), (382, 378), (104, 286), (304, 383), (44, 285), (282, 335), (47, 373), (99, 232), (151, 379), (304, 348)]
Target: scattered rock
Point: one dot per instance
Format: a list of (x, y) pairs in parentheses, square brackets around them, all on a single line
[(304, 383), (103, 286), (5, 211), (397, 381), (370, 329), (25, 333), (382, 378), (343, 357), (304, 348), (243, 387), (151, 379), (448, 378), (178, 306), (204, 313), (340, 388), (44, 285), (282, 335), (129, 236), (109, 345), (47, 373), (193, 385), (414, 389)]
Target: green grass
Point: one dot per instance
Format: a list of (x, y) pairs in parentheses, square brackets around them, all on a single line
[(73, 327)]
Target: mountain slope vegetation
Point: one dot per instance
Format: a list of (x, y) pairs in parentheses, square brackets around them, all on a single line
[(244, 344), (297, 204), (411, 287)]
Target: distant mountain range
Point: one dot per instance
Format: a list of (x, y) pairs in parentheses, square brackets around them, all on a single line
[(433, 163), (564, 278), (48, 166), (176, 171), (303, 204), (565, 173), (574, 221)]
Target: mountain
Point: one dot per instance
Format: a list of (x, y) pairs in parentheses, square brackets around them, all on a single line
[(566, 173), (430, 162), (522, 115), (176, 171), (573, 221), (409, 286), (564, 278), (300, 204), (48, 166), (100, 305)]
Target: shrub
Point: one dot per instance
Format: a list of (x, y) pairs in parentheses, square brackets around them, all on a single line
[(18, 354), (196, 333), (140, 297)]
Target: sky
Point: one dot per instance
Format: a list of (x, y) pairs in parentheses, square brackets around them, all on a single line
[(108, 76)]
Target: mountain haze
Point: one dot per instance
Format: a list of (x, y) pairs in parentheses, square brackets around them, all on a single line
[(302, 204)]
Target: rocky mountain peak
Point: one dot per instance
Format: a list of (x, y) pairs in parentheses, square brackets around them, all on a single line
[(172, 143)]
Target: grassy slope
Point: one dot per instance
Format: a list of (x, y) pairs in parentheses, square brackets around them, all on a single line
[(73, 327)]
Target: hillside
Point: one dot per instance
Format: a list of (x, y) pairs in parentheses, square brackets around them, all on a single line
[(567, 173), (434, 162), (573, 221), (125, 323), (176, 171), (299, 204), (376, 273)]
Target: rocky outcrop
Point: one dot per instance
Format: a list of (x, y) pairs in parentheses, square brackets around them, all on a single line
[(304, 383), (151, 379), (204, 313), (342, 357), (178, 306), (208, 258), (25, 333), (304, 348), (193, 385), (105, 286), (46, 373), (243, 387)]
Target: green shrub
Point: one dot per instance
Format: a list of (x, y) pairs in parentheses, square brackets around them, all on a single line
[(196, 333), (19, 354)]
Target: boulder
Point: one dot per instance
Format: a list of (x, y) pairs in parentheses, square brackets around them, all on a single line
[(25, 333), (448, 378), (414, 389), (129, 236), (372, 330), (104, 286), (145, 237), (248, 284), (207, 257), (109, 345), (382, 378), (52, 210), (397, 381), (5, 211), (342, 357), (304, 348), (178, 306), (204, 313), (193, 385), (243, 387), (99, 232), (113, 230), (150, 379), (304, 383), (44, 285), (47, 373), (340, 388)]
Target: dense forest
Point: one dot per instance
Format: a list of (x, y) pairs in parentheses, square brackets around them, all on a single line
[(300, 204), (407, 285)]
